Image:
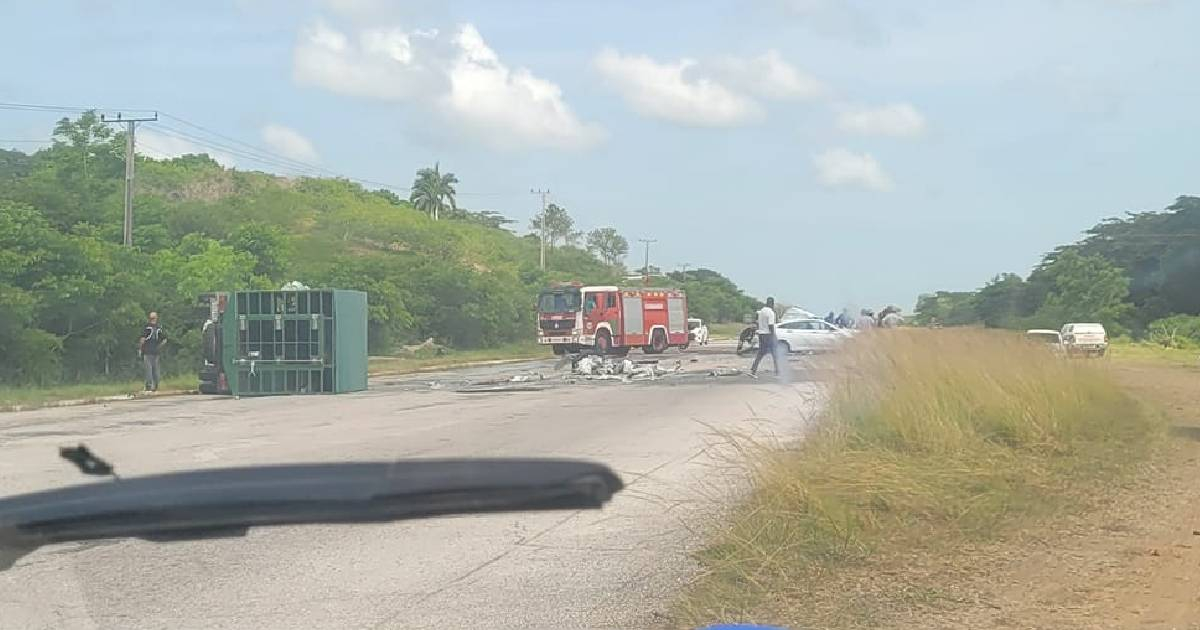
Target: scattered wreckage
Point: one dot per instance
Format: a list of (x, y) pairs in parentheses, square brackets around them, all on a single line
[(587, 366)]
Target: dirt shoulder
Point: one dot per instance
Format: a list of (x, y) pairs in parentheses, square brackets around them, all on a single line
[(1131, 560)]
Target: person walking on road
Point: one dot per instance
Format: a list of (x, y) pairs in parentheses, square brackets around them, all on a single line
[(865, 321), (152, 341), (766, 337)]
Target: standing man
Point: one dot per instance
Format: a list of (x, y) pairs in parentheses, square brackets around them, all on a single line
[(865, 321), (766, 337), (892, 320), (153, 339)]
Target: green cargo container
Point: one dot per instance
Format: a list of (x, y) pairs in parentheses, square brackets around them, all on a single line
[(295, 342)]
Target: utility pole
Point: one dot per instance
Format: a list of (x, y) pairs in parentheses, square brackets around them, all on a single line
[(131, 125), (646, 265), (542, 223), (685, 266)]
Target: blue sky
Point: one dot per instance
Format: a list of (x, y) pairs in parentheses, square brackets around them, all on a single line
[(826, 152)]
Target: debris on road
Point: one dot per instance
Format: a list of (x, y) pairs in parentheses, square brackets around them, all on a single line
[(602, 368), (724, 371), (589, 367)]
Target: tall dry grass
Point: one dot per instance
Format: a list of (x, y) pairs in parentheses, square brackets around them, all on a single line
[(929, 438)]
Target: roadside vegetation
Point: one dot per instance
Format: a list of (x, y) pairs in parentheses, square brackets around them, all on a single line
[(29, 397), (428, 360), (931, 440), (1135, 274)]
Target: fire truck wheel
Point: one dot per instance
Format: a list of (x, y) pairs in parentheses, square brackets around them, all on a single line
[(603, 343), (658, 343), (558, 349)]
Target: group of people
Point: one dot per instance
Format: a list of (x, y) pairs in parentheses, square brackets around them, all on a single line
[(867, 319), (765, 322)]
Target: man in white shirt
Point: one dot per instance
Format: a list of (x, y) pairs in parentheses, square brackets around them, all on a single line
[(865, 321), (766, 336)]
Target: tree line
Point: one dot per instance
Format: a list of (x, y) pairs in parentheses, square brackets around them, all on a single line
[(1138, 274), (72, 299)]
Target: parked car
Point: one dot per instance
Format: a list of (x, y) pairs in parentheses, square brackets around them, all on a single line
[(697, 331), (809, 335), (1085, 339), (795, 313), (1052, 338)]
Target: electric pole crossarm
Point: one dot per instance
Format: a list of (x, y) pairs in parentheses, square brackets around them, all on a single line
[(130, 147), (646, 264), (542, 226)]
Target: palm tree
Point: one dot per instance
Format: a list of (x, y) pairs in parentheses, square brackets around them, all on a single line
[(433, 190)]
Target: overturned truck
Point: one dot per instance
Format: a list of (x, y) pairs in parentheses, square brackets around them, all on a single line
[(259, 343), (612, 320)]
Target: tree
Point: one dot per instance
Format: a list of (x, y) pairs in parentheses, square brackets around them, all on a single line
[(948, 308), (1085, 289), (486, 218), (433, 191), (1000, 301), (608, 245), (560, 227)]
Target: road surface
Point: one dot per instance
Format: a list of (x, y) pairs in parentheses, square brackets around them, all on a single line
[(613, 568)]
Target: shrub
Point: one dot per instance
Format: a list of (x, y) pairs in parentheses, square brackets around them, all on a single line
[(1176, 331)]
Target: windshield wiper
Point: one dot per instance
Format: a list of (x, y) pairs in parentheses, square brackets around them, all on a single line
[(228, 501)]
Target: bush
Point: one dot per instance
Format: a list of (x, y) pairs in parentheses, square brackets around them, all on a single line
[(1176, 331)]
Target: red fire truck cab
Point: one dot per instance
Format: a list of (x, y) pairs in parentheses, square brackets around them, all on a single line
[(612, 319)]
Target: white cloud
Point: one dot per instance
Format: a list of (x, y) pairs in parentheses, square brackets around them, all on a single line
[(511, 106), (667, 90), (161, 146), (380, 63), (454, 75), (289, 143), (842, 168), (897, 120), (770, 76)]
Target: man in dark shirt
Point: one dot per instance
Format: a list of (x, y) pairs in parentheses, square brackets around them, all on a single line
[(153, 340)]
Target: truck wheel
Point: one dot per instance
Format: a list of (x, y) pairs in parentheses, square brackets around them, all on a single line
[(603, 343), (558, 349), (658, 342)]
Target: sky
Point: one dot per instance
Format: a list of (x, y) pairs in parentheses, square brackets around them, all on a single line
[(828, 153)]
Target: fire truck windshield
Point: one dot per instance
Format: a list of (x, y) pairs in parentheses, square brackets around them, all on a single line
[(559, 301)]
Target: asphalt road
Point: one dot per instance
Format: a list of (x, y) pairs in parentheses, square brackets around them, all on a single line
[(613, 568)]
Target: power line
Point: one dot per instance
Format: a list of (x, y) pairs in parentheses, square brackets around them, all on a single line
[(235, 147), (247, 146), (31, 107), (204, 143)]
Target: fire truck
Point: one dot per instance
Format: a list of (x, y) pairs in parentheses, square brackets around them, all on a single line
[(611, 319)]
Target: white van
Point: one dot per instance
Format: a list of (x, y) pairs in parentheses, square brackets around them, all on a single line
[(1086, 339)]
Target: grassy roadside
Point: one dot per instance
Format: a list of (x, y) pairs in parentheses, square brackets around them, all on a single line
[(40, 396), (404, 365), (934, 440), (1150, 352), (725, 330)]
